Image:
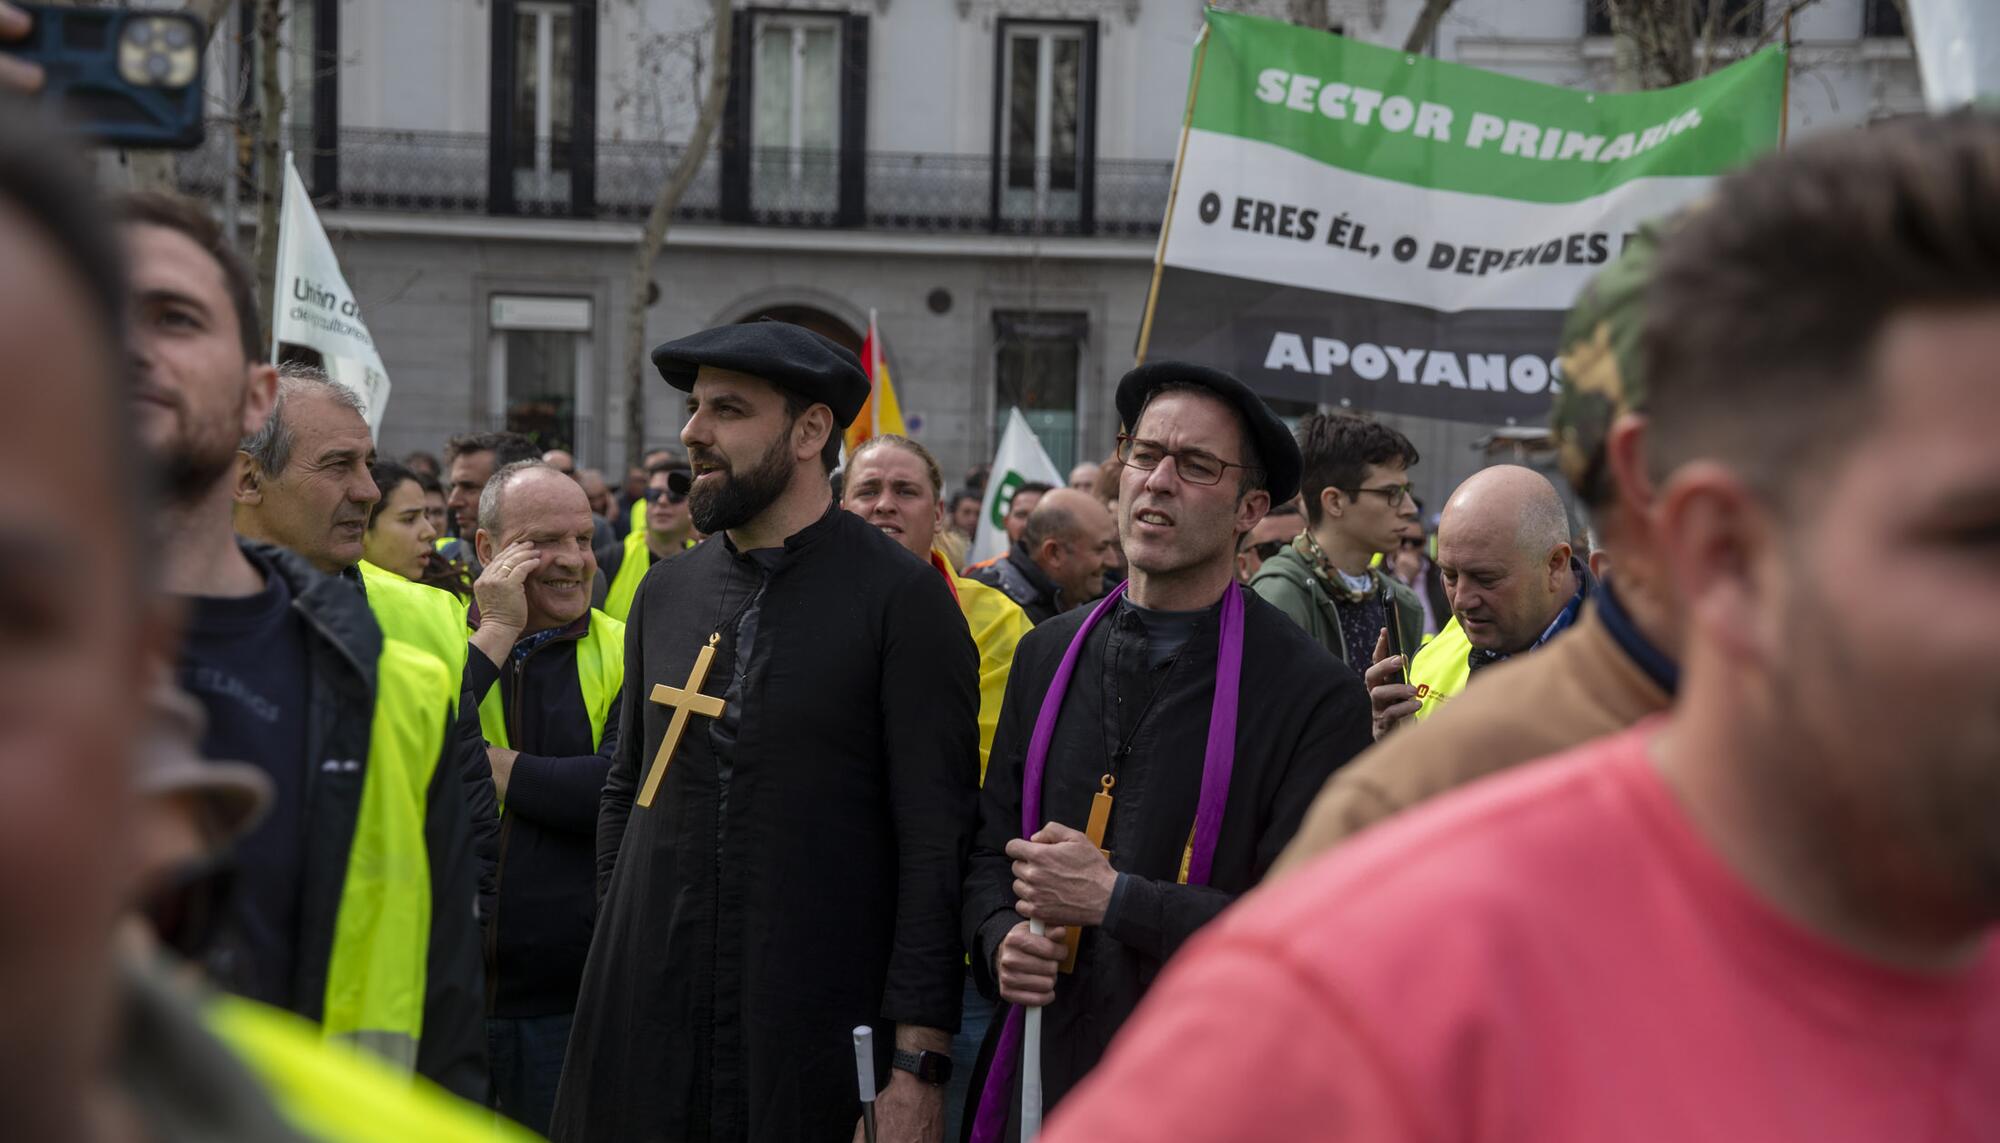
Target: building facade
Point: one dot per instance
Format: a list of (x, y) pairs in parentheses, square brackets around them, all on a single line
[(986, 176)]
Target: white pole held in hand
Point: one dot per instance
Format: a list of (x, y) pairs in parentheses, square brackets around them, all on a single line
[(1031, 1063), (864, 1075)]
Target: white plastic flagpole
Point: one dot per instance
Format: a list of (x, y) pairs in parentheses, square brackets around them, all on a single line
[(874, 375), (1031, 1064), (864, 1076), (278, 276)]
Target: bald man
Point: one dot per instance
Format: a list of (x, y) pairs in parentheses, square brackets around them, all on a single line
[(1067, 544), (1504, 553), (1083, 477)]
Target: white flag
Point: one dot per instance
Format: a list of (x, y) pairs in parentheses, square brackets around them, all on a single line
[(314, 308), (1020, 459), (1958, 51)]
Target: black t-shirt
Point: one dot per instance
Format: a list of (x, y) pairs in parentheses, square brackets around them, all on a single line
[(245, 661)]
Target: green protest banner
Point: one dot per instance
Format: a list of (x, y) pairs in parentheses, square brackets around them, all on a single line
[(1354, 225)]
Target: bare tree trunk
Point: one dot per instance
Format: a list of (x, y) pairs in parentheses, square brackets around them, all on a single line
[(1419, 39), (270, 157), (1626, 68), (655, 234)]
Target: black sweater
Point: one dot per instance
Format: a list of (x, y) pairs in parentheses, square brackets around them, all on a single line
[(546, 877)]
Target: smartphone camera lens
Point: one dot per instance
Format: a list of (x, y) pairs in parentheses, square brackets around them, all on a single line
[(157, 51)]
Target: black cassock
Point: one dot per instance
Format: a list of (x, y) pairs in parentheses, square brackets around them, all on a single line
[(798, 873), (1302, 715)]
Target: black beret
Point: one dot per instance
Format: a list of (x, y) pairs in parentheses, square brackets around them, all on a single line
[(789, 356), (1277, 450)]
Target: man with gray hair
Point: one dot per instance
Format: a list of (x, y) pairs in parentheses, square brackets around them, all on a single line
[(1504, 551), (302, 482), (295, 676), (546, 678)]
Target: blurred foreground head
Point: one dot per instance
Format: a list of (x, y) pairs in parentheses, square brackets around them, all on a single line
[(1823, 352), (78, 636)]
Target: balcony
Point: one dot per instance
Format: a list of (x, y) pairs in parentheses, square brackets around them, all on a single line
[(433, 172)]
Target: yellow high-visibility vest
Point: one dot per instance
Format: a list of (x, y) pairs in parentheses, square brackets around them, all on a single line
[(376, 974), (600, 672), (428, 618), (342, 1096), (1440, 669)]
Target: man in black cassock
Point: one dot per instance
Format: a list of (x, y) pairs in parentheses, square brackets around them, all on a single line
[(795, 873), (1204, 459)]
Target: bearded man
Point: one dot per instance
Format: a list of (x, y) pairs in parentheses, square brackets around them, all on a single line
[(784, 827)]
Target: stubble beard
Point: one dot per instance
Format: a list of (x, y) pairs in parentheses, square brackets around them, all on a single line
[(1926, 791), (199, 455), (739, 498)]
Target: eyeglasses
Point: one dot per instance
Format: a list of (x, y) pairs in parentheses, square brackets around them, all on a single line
[(672, 497), (1193, 465), (1269, 548), (1394, 494)]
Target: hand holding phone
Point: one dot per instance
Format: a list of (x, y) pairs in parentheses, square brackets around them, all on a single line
[(124, 78), (19, 76)]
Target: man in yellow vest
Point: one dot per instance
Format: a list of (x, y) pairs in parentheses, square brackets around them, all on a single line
[(546, 673), (1504, 551), (661, 527), (299, 488), (355, 906)]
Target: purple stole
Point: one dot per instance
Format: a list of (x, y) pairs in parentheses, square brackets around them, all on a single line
[(1217, 761)]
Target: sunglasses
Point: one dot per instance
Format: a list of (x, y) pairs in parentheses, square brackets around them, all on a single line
[(672, 497), (1269, 548)]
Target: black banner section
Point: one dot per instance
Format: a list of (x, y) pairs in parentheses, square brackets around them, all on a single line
[(1494, 367)]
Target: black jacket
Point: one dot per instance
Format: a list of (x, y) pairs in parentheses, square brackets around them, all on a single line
[(1303, 714), (547, 873), (1017, 574), (343, 643)]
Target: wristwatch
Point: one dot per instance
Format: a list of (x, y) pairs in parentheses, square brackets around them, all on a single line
[(933, 1068)]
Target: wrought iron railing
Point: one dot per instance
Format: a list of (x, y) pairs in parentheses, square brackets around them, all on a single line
[(451, 173)]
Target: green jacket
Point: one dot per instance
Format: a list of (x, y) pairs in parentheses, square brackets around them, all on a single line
[(1286, 582)]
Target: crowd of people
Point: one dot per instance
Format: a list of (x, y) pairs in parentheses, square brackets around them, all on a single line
[(352, 797)]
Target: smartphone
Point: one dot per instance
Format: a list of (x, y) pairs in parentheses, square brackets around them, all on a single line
[(122, 78), (1396, 636)]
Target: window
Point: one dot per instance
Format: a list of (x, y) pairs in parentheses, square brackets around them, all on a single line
[(1883, 19), (795, 114), (1037, 357), (544, 85), (1739, 17), (1044, 85), (539, 376)]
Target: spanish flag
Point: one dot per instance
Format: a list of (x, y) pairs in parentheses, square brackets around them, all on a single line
[(880, 413)]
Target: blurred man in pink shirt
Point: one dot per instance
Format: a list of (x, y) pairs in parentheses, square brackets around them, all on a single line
[(1769, 914)]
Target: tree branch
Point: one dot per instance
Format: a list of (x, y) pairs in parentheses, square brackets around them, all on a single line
[(655, 235), (1421, 32)]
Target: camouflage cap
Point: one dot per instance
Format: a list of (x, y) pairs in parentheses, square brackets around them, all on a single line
[(1600, 361)]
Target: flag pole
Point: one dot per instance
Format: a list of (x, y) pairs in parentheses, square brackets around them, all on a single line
[(1785, 95), (864, 1077), (278, 278), (1031, 1064), (1173, 193), (874, 376)]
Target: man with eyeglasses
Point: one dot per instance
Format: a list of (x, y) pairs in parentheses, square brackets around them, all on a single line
[(1355, 490), (668, 531), (1154, 753)]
